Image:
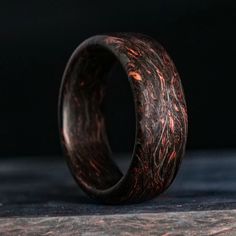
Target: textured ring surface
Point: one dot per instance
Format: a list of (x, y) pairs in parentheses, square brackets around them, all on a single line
[(161, 118)]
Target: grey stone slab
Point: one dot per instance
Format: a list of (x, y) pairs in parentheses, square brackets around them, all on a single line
[(169, 224), (40, 195)]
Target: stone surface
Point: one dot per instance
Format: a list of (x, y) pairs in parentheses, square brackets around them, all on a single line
[(39, 197), (171, 223)]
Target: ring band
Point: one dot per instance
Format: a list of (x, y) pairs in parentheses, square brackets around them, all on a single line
[(161, 118)]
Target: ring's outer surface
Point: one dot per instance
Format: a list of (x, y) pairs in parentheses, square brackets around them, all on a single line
[(161, 118)]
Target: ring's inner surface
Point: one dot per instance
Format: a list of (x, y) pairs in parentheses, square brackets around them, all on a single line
[(83, 122), (119, 114)]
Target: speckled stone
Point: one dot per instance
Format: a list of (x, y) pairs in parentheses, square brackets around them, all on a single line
[(39, 197)]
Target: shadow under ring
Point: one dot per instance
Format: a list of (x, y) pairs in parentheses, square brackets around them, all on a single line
[(161, 118)]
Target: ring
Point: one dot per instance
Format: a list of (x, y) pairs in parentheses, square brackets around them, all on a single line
[(161, 118)]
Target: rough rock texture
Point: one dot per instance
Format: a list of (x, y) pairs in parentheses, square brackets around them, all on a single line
[(39, 197)]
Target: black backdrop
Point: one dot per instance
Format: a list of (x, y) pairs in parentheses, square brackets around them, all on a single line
[(37, 37)]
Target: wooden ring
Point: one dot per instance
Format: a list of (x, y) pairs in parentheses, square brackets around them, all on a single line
[(161, 118)]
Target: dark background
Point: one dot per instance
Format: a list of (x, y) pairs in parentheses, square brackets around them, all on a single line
[(37, 38)]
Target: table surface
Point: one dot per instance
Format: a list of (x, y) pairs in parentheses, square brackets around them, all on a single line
[(38, 196)]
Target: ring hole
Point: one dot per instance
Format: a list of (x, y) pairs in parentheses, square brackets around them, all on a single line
[(97, 117), (119, 112)]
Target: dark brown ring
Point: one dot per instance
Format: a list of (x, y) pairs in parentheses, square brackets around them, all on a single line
[(161, 118)]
